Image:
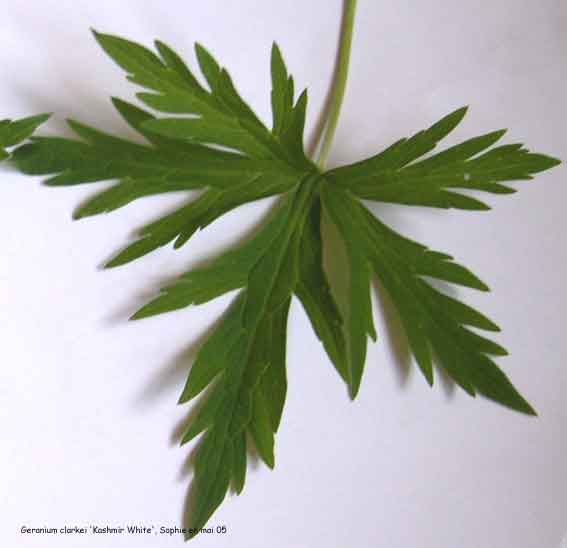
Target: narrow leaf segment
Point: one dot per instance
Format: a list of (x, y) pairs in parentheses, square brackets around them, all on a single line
[(14, 132)]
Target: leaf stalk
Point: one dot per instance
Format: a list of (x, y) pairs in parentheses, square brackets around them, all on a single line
[(341, 77)]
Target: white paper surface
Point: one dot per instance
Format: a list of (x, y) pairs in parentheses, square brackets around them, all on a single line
[(88, 410)]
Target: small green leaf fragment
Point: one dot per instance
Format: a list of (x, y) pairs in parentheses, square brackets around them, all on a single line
[(164, 230), (360, 323), (212, 358), (209, 66), (14, 132), (227, 272), (213, 472), (175, 63), (274, 379), (130, 56), (315, 295), (206, 415), (261, 427), (273, 278), (239, 463), (281, 106)]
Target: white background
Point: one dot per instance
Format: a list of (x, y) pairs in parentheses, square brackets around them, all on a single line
[(88, 415)]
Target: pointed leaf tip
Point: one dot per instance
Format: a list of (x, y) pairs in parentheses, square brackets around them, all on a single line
[(353, 392), (142, 313), (97, 35), (112, 263), (276, 52), (79, 214), (42, 118), (457, 116)]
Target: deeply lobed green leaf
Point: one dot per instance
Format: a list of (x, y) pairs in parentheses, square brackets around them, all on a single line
[(212, 141), (395, 176), (434, 323)]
